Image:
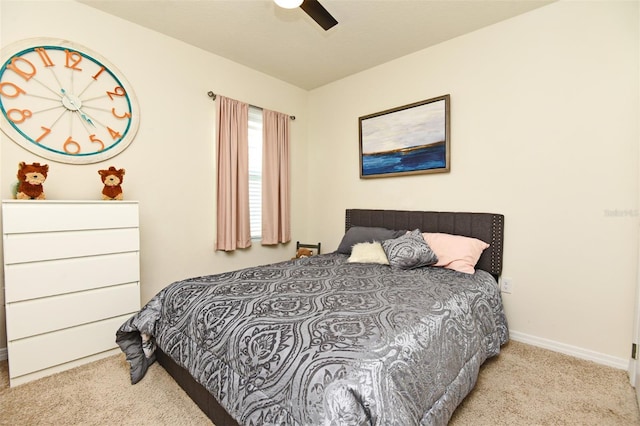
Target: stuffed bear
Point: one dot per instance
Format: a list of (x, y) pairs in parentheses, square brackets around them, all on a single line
[(112, 179), (303, 252), (30, 180)]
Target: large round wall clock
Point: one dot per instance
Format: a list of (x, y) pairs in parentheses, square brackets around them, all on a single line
[(64, 102)]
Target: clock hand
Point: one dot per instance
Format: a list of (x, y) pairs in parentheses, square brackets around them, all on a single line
[(86, 118), (76, 107)]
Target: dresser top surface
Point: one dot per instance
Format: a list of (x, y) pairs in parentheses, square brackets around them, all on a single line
[(11, 201)]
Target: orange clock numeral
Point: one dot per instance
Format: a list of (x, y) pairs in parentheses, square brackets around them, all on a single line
[(114, 134), (95, 77), (93, 139), (118, 91), (46, 132), (27, 74), (125, 115), (17, 90), (44, 56), (23, 114), (71, 143), (73, 59)]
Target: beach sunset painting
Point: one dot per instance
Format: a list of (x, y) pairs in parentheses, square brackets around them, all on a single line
[(410, 139)]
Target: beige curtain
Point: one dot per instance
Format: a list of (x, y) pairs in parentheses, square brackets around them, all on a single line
[(276, 205), (233, 175)]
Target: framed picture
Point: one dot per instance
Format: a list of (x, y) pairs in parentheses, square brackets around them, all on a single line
[(410, 139)]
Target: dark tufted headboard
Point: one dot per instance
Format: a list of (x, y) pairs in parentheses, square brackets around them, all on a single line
[(488, 227)]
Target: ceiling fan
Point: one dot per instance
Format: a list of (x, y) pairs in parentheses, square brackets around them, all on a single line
[(313, 8)]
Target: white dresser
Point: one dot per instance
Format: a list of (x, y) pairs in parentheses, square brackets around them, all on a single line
[(72, 277)]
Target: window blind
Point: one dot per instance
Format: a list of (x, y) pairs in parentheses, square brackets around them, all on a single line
[(255, 171)]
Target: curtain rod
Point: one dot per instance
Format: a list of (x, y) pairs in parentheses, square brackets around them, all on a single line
[(213, 98)]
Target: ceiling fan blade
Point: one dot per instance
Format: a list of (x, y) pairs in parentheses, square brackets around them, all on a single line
[(318, 13)]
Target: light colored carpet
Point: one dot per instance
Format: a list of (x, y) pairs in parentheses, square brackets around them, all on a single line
[(525, 385)]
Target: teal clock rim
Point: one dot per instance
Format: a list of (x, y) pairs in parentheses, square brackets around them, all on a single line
[(91, 58)]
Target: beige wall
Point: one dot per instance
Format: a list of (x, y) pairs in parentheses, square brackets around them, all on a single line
[(170, 165), (544, 129)]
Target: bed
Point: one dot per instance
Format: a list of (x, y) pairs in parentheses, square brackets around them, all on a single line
[(324, 340)]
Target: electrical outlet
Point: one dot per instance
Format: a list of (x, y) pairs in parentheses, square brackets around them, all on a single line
[(507, 285)]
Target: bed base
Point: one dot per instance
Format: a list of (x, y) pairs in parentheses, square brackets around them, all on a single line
[(487, 227), (198, 393)]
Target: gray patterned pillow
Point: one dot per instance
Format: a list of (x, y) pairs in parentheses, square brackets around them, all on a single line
[(409, 251)]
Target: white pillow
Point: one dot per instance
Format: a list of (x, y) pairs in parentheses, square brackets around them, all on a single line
[(368, 253)]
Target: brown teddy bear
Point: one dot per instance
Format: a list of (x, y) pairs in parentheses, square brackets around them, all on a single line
[(303, 252), (112, 179), (30, 180)]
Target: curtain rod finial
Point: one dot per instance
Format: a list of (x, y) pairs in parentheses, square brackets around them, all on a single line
[(211, 95)]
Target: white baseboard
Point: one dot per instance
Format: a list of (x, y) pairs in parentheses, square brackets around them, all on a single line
[(3, 354), (597, 357)]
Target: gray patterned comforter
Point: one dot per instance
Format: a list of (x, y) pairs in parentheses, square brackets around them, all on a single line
[(321, 341)]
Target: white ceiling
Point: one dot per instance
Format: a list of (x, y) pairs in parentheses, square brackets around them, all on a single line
[(289, 45)]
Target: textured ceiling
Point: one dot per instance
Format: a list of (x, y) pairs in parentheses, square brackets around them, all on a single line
[(290, 46)]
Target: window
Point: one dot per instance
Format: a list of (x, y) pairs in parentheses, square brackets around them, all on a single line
[(255, 172), (264, 134)]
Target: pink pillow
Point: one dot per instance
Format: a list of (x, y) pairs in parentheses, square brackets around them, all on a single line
[(455, 251)]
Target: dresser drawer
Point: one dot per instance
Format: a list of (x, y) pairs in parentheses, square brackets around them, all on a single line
[(40, 316), (25, 281), (21, 248), (47, 350), (52, 216)]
